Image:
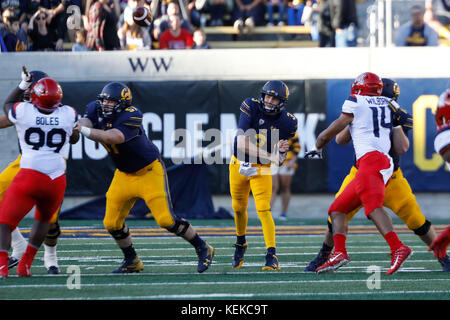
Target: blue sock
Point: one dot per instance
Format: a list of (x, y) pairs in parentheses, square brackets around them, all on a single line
[(241, 240)]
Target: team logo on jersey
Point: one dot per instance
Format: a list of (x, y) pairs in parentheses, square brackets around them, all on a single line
[(261, 122)]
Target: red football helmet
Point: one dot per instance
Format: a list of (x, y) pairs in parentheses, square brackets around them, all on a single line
[(367, 84), (443, 109), (46, 94)]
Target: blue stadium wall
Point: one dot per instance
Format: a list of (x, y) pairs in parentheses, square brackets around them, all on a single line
[(316, 103)]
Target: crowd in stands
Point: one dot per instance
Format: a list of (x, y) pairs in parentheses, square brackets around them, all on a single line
[(97, 25)]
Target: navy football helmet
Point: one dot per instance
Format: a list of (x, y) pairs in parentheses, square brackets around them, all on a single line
[(37, 75), (117, 92), (390, 89), (278, 89)]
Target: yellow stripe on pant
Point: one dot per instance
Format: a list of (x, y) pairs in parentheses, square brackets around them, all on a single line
[(6, 178), (398, 197), (261, 187), (149, 184)]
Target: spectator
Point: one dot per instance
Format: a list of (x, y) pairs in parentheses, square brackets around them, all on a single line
[(80, 41), (324, 27), (134, 37), (217, 10), (176, 37), (194, 13), (437, 15), (416, 32), (278, 6), (15, 39), (310, 17), (64, 17), (295, 12), (13, 5), (344, 21), (200, 42), (57, 16), (43, 37), (102, 29), (247, 14), (162, 24)]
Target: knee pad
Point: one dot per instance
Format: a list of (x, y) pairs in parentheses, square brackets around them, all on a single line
[(180, 227), (423, 229), (54, 231), (120, 234)]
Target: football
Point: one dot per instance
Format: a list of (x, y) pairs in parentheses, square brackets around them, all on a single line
[(142, 17)]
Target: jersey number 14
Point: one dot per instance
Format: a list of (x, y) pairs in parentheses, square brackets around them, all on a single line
[(379, 122)]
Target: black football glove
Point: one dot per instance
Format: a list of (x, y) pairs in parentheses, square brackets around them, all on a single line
[(404, 119)]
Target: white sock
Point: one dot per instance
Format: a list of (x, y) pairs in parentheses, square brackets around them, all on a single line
[(18, 244), (50, 258)]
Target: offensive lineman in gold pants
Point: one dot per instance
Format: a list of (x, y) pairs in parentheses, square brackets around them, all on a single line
[(259, 122), (398, 197)]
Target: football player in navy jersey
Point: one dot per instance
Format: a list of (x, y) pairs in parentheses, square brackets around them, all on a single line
[(264, 130), (115, 123)]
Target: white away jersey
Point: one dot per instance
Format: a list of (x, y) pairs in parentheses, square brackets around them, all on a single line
[(372, 123), (43, 138), (442, 142)]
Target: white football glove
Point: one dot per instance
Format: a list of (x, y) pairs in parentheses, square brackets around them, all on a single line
[(27, 80), (246, 169)]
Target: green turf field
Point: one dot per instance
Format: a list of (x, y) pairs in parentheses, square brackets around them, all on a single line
[(170, 266)]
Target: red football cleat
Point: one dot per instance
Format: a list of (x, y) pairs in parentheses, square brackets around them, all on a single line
[(24, 269), (4, 266), (337, 260), (398, 257)]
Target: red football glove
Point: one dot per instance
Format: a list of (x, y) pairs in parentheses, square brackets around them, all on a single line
[(439, 245)]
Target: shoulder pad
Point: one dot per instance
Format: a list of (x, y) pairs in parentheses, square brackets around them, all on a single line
[(352, 98), (131, 109)]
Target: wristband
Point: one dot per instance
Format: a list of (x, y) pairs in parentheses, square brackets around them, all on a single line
[(85, 131), (24, 85)]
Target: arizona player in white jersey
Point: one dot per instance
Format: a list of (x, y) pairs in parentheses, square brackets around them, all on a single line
[(44, 128), (442, 139), (369, 117), (442, 146)]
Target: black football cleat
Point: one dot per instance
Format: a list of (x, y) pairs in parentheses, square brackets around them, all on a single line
[(12, 262), (130, 266), (445, 262), (238, 258), (319, 260), (205, 256), (271, 263), (53, 270)]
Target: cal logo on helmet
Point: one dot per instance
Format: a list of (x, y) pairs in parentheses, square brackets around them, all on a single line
[(126, 94)]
